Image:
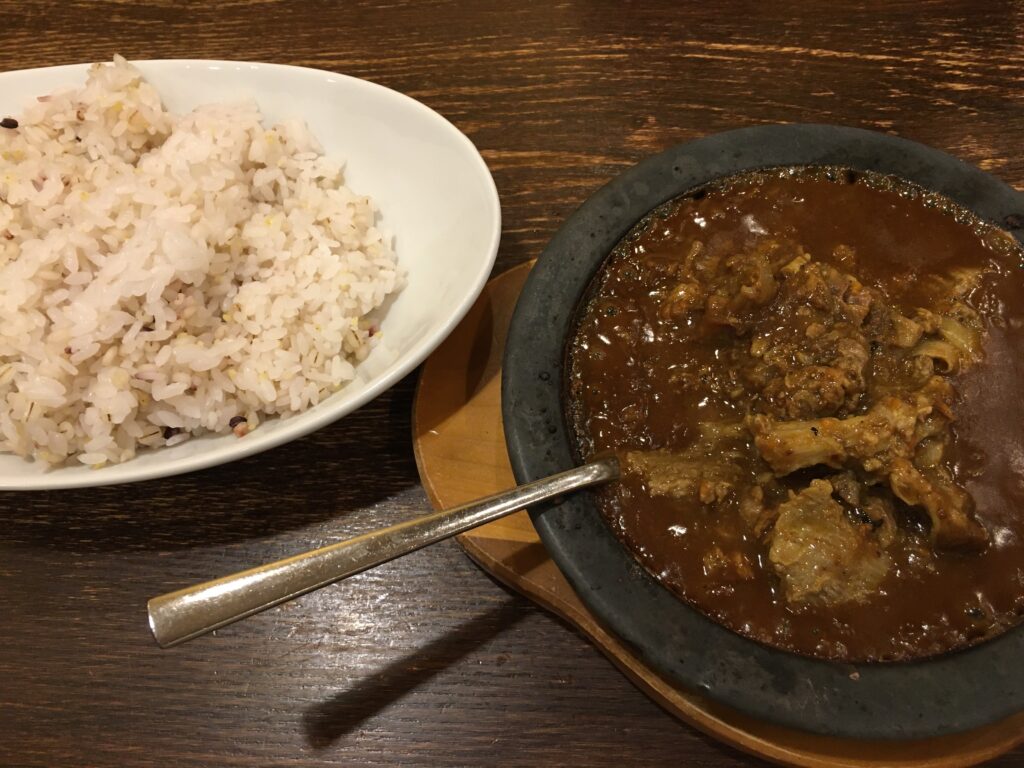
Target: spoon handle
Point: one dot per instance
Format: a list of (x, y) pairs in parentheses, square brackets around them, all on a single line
[(194, 611)]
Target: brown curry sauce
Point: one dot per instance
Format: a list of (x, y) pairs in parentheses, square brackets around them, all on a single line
[(640, 382)]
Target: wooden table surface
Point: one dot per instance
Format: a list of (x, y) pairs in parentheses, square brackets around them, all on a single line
[(427, 661)]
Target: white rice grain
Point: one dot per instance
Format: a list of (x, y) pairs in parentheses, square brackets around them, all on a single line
[(162, 275)]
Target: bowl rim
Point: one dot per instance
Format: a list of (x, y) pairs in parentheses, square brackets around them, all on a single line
[(316, 417), (903, 700)]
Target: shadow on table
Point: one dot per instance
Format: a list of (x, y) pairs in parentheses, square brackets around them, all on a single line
[(347, 710), (355, 463)]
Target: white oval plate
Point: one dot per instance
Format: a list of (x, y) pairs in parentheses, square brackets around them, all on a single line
[(435, 195)]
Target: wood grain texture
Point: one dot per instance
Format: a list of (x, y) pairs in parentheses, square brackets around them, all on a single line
[(426, 661)]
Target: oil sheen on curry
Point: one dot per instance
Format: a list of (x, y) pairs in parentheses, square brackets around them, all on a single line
[(811, 379)]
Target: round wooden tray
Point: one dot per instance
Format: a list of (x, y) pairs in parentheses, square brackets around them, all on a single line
[(460, 452)]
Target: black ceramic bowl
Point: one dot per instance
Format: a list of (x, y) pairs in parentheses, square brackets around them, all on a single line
[(951, 693)]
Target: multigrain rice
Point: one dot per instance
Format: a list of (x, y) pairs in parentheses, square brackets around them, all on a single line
[(162, 276)]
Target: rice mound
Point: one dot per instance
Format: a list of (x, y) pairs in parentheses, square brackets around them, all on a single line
[(165, 276)]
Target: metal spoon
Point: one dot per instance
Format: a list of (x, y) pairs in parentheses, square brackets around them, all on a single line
[(194, 611)]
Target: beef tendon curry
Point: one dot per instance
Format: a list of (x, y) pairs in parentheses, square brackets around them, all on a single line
[(809, 377)]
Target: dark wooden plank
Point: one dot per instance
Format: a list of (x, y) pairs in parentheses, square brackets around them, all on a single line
[(426, 661)]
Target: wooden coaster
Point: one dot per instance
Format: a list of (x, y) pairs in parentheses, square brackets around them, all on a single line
[(460, 452)]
